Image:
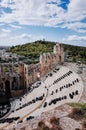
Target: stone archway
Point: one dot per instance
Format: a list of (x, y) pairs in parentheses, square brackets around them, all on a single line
[(60, 59), (7, 89), (14, 83)]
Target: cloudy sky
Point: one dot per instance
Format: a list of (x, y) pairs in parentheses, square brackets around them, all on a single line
[(23, 21)]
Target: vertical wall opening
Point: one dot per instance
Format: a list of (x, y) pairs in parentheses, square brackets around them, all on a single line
[(7, 89)]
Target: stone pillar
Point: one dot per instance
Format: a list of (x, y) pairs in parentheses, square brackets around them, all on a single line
[(18, 82), (10, 83)]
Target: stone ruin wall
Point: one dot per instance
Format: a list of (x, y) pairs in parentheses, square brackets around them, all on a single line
[(50, 60), (30, 74), (11, 77), (7, 73), (26, 75), (47, 62)]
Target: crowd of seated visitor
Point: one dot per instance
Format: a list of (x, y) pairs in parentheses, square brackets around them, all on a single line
[(65, 86), (29, 118), (54, 101), (71, 95), (62, 77), (9, 120), (31, 102), (69, 84), (4, 110), (51, 74)]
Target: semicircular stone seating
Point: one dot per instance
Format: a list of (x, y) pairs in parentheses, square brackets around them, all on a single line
[(60, 86), (64, 86)]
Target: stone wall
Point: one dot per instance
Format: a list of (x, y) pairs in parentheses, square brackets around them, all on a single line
[(26, 75), (9, 77), (47, 61), (50, 60), (31, 74)]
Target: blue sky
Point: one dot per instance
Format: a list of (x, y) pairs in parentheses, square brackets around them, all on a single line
[(23, 21)]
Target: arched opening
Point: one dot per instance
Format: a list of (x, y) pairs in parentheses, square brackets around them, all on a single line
[(14, 83), (7, 89), (60, 59)]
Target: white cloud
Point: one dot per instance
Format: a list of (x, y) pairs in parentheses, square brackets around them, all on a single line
[(15, 26), (76, 26), (18, 39), (26, 36), (6, 30), (76, 38), (22, 36), (3, 35), (41, 12), (31, 12), (1, 24), (76, 10), (75, 14)]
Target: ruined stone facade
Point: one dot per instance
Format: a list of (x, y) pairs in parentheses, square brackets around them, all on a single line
[(31, 74), (23, 76), (47, 61), (9, 76), (50, 60)]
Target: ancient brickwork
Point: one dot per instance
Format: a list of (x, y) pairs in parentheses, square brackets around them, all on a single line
[(26, 75), (31, 74), (47, 62), (21, 75), (9, 77)]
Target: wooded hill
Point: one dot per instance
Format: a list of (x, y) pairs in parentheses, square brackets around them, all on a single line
[(31, 51), (75, 53)]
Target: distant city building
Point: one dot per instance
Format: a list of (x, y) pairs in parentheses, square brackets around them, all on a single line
[(8, 56)]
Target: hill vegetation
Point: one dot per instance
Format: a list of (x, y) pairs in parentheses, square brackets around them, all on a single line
[(32, 51), (75, 53), (78, 111)]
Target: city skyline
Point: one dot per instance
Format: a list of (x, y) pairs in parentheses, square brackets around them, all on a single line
[(53, 20)]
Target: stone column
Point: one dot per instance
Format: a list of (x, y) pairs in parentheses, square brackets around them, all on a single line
[(10, 82), (18, 82)]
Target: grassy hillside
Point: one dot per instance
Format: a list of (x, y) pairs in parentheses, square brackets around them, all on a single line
[(31, 51), (79, 110), (34, 48), (76, 53)]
